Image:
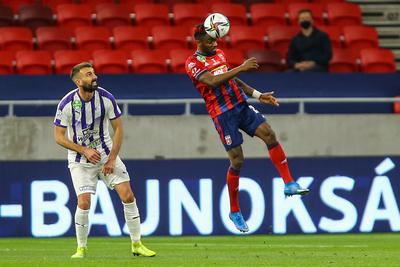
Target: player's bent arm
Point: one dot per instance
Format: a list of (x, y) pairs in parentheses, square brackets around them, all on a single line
[(117, 138), (216, 80), (248, 90), (59, 136)]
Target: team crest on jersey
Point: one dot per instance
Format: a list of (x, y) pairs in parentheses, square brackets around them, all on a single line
[(201, 58), (228, 140), (77, 105)]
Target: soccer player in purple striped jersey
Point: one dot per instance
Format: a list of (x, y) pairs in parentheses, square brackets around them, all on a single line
[(226, 100), (85, 114)]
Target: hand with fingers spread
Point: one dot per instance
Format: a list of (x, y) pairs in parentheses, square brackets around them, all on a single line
[(249, 64), (92, 155), (268, 98), (108, 168)]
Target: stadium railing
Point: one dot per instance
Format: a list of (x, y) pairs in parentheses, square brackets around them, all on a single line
[(188, 102)]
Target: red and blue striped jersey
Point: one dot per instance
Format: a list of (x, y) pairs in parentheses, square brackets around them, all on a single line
[(218, 99)]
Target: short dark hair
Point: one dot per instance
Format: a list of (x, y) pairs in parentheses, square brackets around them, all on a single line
[(75, 69), (199, 32), (304, 10)]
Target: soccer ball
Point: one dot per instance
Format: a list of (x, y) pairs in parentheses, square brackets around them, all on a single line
[(216, 25)]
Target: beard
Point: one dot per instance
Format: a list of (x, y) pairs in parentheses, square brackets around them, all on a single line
[(90, 87)]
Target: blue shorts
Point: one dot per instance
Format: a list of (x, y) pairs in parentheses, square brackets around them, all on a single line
[(243, 116)]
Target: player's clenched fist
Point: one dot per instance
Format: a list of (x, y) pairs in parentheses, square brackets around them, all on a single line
[(92, 155), (250, 64)]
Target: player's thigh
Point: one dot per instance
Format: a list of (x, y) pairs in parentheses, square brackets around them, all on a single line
[(265, 132), (251, 119), (118, 176), (227, 126), (84, 178)]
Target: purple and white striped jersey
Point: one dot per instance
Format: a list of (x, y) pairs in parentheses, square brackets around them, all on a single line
[(87, 122)]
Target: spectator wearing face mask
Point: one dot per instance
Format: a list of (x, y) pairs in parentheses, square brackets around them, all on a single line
[(310, 50)]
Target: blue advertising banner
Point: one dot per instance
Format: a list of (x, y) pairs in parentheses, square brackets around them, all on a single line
[(189, 197)]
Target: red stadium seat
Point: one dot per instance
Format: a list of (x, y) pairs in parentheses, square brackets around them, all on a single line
[(234, 57), (325, 2), (94, 2), (360, 37), (344, 60), (178, 59), (34, 62), (15, 5), (235, 12), (6, 16), (188, 14), (343, 14), (335, 35), (377, 60), (130, 38), (279, 37), (54, 3), (92, 38), (245, 38), (265, 15), (149, 61), (286, 2), (16, 38), (317, 11), (110, 61), (268, 60), (53, 38), (112, 15), (6, 62), (73, 15), (66, 59), (35, 16), (151, 15), (166, 37)]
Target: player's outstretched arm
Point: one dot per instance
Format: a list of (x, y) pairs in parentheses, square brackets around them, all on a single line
[(91, 154), (215, 81), (265, 98)]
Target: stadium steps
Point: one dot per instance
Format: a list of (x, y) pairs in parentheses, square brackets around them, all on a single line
[(384, 15)]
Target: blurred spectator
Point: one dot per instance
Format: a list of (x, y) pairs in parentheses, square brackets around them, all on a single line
[(310, 49)]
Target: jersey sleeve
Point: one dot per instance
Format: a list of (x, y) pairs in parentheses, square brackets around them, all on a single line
[(195, 68), (113, 111), (61, 119)]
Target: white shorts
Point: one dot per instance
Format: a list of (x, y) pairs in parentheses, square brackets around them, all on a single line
[(85, 177)]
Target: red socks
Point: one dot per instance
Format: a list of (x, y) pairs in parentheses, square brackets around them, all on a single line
[(232, 179), (278, 158)]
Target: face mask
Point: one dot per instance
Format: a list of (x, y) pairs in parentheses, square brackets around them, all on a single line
[(305, 24)]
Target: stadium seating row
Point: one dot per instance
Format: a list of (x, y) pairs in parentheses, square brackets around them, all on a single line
[(161, 61), (17, 4), (166, 37), (183, 14)]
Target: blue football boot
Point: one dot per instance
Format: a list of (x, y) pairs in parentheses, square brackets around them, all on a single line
[(294, 188), (240, 223)]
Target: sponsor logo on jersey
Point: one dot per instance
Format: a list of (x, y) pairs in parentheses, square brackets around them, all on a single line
[(219, 70)]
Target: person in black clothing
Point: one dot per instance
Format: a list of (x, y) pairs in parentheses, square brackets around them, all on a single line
[(310, 49)]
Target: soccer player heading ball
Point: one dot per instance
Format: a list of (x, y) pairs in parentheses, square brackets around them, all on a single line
[(225, 98)]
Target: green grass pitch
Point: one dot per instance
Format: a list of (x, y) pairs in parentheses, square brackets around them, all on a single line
[(245, 250)]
